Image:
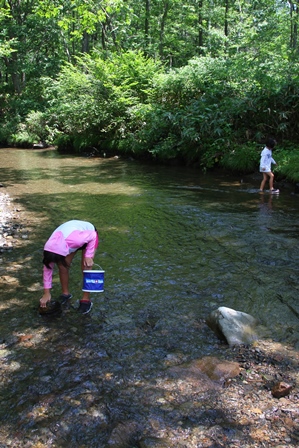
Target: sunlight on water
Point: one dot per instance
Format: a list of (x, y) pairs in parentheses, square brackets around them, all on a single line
[(167, 235)]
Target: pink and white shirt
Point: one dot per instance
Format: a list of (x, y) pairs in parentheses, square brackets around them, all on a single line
[(68, 238)]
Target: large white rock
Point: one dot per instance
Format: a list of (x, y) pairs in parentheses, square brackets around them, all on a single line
[(235, 327)]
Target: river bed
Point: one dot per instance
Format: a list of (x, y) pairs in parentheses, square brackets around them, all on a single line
[(175, 244)]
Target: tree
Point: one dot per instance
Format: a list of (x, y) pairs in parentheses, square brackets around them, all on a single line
[(30, 43), (294, 15)]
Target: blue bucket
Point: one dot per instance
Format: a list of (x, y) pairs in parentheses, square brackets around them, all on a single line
[(93, 281)]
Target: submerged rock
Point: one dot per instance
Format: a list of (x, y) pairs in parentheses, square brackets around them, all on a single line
[(53, 308), (205, 373), (217, 369), (123, 435), (40, 145), (281, 389), (189, 376), (235, 327)]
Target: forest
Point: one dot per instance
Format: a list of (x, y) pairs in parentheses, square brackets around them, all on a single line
[(202, 83)]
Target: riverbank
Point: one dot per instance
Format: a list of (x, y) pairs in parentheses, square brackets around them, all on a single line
[(134, 380), (12, 223)]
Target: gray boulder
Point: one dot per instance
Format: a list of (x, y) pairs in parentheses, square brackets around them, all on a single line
[(235, 327)]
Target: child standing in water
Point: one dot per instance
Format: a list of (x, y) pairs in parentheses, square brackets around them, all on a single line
[(60, 249), (265, 165)]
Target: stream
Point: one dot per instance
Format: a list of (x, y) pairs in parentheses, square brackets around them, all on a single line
[(175, 244)]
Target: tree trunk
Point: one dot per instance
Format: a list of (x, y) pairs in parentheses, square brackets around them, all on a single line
[(162, 27), (294, 26), (85, 42), (200, 27), (226, 18), (147, 23)]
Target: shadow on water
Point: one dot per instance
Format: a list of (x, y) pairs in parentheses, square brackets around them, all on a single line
[(175, 245)]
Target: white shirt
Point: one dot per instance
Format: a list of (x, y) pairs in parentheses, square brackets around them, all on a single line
[(266, 160)]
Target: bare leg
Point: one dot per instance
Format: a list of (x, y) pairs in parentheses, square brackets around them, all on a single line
[(263, 183), (86, 295), (64, 274), (271, 180)]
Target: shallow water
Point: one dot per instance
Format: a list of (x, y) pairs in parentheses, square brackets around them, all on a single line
[(175, 244), (166, 234)]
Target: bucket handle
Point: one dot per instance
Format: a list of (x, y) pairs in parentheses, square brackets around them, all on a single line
[(95, 264)]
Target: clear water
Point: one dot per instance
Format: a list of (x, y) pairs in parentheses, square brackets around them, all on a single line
[(175, 245), (169, 236)]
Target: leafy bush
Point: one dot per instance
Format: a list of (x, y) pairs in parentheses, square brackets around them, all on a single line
[(288, 164), (6, 130), (90, 101), (36, 125), (242, 158), (33, 129), (64, 143), (212, 111), (23, 138), (188, 115)]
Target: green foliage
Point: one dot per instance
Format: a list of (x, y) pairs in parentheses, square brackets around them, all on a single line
[(91, 100), (243, 158), (33, 129), (64, 142), (204, 85), (22, 138), (190, 112), (36, 125), (288, 163), (6, 131)]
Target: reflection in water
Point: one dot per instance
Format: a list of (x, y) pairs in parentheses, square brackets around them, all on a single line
[(265, 210), (167, 235), (266, 202)]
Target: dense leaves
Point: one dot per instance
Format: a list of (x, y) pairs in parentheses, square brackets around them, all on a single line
[(198, 82)]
